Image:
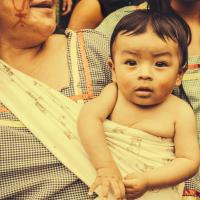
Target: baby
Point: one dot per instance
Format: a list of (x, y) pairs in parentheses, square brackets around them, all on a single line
[(148, 60)]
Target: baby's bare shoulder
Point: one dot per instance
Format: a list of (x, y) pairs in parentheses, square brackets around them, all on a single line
[(180, 106)]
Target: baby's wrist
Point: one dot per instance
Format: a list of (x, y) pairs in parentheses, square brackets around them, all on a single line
[(110, 171), (147, 180), (107, 164)]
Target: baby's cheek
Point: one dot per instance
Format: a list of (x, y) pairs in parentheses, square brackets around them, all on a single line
[(167, 88)]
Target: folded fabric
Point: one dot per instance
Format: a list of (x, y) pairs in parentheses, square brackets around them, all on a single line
[(52, 118)]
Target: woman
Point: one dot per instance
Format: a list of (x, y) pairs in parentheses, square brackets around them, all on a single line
[(190, 11), (28, 170)]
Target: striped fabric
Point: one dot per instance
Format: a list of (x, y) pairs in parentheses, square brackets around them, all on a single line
[(87, 64), (27, 169)]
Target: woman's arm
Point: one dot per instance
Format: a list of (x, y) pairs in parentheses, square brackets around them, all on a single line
[(86, 15)]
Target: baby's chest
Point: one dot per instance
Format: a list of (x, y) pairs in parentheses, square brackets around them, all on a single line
[(155, 127), (161, 126)]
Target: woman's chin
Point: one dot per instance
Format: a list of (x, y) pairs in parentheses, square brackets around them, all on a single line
[(36, 37), (43, 24), (46, 30), (50, 29)]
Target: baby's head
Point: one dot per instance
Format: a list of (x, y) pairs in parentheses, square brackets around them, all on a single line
[(149, 54), (166, 25)]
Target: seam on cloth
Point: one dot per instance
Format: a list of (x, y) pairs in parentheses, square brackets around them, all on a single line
[(79, 38), (86, 69), (74, 63), (140, 6), (11, 123), (194, 66), (3, 109), (191, 76), (80, 97), (190, 198), (192, 193)]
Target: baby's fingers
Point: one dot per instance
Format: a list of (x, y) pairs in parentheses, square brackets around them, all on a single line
[(132, 193), (131, 196), (105, 189), (93, 187), (122, 189), (118, 189)]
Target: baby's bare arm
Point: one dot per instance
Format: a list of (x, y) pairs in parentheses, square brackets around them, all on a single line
[(181, 168), (86, 14), (90, 127)]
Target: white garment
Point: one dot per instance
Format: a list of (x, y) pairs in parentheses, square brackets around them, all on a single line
[(52, 118)]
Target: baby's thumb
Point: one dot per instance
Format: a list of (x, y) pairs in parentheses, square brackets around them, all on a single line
[(92, 188), (129, 176), (128, 183)]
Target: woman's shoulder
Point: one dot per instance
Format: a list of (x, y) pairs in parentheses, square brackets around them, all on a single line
[(56, 40)]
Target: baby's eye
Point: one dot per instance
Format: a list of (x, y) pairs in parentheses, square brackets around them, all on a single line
[(161, 64), (130, 62)]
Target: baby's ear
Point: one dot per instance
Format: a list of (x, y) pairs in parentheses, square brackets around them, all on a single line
[(112, 66), (179, 77)]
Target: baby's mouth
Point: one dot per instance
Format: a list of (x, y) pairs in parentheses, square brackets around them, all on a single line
[(143, 91)]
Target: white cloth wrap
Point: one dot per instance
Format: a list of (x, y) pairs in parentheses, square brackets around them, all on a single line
[(52, 118)]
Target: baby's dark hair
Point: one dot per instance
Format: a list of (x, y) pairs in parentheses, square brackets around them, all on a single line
[(165, 23)]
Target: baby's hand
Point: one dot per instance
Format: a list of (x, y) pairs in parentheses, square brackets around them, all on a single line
[(66, 6), (136, 184), (109, 178)]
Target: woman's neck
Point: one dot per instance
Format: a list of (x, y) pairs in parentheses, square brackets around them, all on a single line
[(18, 56)]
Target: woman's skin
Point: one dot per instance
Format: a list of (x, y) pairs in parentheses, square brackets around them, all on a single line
[(27, 43), (190, 11), (86, 14)]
